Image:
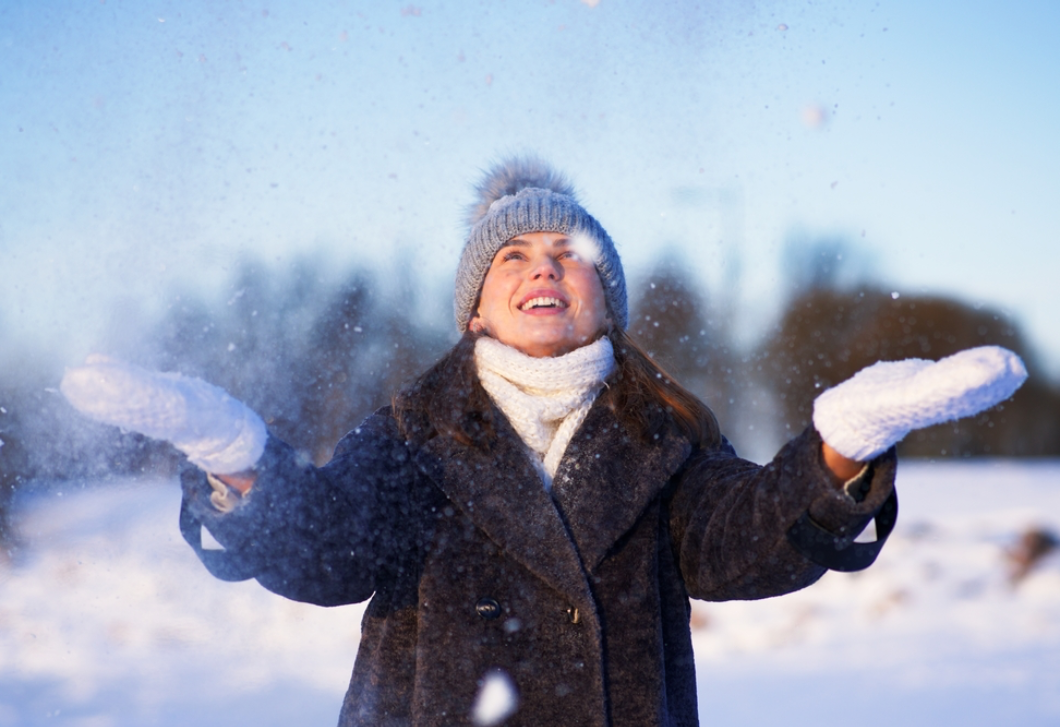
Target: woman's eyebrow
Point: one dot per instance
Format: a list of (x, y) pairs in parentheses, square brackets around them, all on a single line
[(515, 242)]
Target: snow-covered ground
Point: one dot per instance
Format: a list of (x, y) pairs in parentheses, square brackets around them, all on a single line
[(107, 619)]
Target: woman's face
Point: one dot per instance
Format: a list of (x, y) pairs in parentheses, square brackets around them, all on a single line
[(542, 295)]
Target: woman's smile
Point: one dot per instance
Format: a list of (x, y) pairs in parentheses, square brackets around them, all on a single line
[(544, 302)]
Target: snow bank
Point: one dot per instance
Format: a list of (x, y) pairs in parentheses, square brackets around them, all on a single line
[(107, 619), (935, 632)]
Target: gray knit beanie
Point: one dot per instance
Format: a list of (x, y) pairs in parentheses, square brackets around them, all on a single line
[(522, 195)]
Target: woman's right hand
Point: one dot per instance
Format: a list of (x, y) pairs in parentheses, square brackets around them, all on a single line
[(218, 433)]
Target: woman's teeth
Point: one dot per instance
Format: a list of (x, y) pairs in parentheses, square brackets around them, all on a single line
[(543, 303)]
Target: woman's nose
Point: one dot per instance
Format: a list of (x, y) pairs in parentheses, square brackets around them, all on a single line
[(546, 268)]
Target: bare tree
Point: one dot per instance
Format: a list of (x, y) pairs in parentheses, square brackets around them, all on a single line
[(673, 320)]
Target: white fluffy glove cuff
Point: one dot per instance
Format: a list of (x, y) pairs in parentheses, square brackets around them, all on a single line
[(218, 433), (867, 414)]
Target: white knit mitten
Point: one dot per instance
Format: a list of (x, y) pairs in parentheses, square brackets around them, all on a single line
[(218, 433), (870, 412)]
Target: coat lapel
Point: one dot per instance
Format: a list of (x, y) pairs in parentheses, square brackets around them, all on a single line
[(501, 492), (607, 478)]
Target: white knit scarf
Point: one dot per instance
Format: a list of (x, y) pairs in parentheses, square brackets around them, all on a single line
[(545, 399)]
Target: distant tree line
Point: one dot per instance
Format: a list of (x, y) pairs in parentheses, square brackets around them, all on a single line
[(312, 359), (831, 326), (315, 354)]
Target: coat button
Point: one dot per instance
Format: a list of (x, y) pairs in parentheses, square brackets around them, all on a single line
[(573, 615), (488, 608)]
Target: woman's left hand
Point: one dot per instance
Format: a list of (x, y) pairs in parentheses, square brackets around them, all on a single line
[(843, 469), (869, 413)]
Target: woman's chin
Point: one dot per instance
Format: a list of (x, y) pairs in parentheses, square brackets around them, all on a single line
[(549, 343)]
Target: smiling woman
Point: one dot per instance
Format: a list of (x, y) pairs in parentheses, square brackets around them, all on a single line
[(534, 512), (542, 296)]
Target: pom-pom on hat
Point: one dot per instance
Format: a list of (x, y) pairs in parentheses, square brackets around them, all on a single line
[(522, 195)]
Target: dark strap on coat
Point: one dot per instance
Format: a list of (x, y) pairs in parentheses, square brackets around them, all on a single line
[(841, 553), (221, 563)]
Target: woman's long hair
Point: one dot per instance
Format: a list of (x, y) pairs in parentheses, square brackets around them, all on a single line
[(448, 400)]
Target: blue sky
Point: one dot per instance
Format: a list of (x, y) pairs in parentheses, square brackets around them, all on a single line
[(144, 143)]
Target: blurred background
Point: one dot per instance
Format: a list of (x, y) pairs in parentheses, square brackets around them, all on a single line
[(271, 196)]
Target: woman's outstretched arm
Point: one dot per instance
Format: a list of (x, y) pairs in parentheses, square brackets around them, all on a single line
[(730, 517), (745, 531), (318, 535), (328, 535)]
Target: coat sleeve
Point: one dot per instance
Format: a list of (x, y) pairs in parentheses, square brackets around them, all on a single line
[(327, 536), (738, 528)]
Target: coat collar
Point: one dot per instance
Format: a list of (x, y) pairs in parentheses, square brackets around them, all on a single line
[(603, 484), (608, 477)]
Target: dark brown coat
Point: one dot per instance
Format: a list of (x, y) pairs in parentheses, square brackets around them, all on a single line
[(580, 596)]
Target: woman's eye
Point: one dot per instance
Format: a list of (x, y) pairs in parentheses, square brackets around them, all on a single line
[(513, 255)]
